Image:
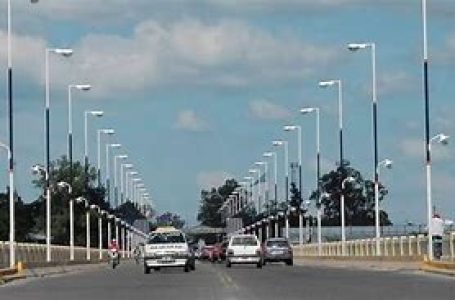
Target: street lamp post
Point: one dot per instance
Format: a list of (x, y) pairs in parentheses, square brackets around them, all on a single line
[(299, 143), (387, 163), (443, 140), (316, 110), (66, 185), (343, 214), (127, 185), (108, 169), (275, 174), (95, 113), (116, 158), (107, 132), (258, 189), (286, 166), (266, 181), (38, 169), (122, 185), (80, 87), (87, 224), (65, 53), (12, 258)]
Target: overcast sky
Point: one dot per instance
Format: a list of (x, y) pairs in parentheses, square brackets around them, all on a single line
[(198, 89)]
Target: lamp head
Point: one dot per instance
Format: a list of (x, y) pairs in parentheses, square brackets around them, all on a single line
[(66, 52), (289, 127), (253, 171), (324, 84), (268, 154), (36, 169), (83, 87), (108, 131), (123, 156), (97, 113), (307, 110), (259, 163), (388, 163), (357, 46), (115, 146), (442, 139), (278, 143)]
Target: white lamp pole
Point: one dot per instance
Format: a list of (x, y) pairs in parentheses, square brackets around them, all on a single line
[(275, 174), (122, 185), (258, 191), (69, 188), (116, 158), (87, 224), (65, 53), (441, 139), (95, 113), (108, 169), (316, 110), (12, 258), (80, 87), (107, 132), (343, 214)]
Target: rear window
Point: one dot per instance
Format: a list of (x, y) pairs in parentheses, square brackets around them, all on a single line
[(244, 241), (167, 238), (277, 244)]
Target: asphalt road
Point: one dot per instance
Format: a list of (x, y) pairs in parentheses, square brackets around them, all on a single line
[(215, 281)]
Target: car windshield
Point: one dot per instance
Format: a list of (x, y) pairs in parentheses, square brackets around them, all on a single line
[(166, 238), (277, 244), (244, 241)]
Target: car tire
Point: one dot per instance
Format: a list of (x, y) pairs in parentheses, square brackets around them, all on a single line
[(228, 264), (264, 262), (259, 265), (193, 266), (290, 262), (157, 269), (186, 269), (146, 270)]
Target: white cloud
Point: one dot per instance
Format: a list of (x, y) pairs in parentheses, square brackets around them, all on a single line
[(415, 148), (209, 179), (189, 121), (264, 109), (394, 82), (188, 52)]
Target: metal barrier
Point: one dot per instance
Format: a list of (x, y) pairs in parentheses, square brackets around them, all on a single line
[(396, 247), (34, 255)]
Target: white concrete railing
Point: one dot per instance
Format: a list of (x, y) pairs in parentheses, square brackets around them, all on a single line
[(412, 246), (35, 254)]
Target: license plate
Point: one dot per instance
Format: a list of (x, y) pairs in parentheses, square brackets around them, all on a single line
[(167, 259), (277, 252)]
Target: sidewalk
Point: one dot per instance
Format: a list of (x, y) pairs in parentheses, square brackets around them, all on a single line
[(8, 275), (442, 268), (370, 265)]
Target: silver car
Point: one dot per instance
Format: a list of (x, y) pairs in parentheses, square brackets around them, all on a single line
[(278, 250)]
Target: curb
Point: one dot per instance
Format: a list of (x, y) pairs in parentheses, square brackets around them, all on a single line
[(433, 270)]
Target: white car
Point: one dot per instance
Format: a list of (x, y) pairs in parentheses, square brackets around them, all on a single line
[(167, 247), (244, 249)]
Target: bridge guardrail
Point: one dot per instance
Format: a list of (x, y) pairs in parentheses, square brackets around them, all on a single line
[(396, 247), (34, 255)]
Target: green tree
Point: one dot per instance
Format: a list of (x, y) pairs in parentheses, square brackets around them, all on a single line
[(23, 218), (169, 219), (211, 202), (359, 198)]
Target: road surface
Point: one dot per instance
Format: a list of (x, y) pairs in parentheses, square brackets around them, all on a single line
[(215, 281)]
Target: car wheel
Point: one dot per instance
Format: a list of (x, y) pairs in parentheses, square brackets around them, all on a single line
[(186, 268), (228, 264), (290, 262), (146, 270), (193, 266), (157, 269), (259, 265)]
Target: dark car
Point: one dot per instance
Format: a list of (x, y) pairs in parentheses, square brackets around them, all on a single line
[(278, 250)]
